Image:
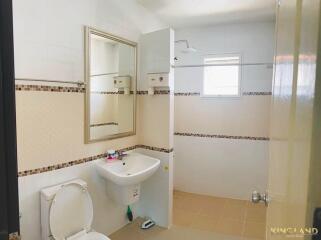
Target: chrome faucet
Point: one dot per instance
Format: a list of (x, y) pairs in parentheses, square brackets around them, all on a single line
[(121, 155)]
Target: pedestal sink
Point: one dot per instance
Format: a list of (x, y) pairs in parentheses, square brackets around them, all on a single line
[(123, 177)]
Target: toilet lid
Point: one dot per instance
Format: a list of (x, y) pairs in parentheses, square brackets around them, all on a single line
[(71, 211)]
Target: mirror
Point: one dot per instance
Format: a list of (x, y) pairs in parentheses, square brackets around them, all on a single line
[(110, 86)]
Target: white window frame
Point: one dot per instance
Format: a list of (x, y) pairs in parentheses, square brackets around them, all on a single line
[(239, 77)]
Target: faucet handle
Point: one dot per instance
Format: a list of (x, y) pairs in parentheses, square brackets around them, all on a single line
[(121, 154)]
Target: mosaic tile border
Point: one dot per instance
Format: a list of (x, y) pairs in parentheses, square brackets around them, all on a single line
[(45, 88), (156, 92), (187, 94), (110, 93), (257, 93), (14, 236), (103, 124), (87, 159), (165, 150), (221, 136), (243, 94), (139, 92)]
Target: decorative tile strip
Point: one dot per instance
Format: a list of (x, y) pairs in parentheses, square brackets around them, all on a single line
[(257, 93), (165, 150), (87, 159), (187, 94), (156, 92), (103, 124), (23, 87), (244, 93), (110, 92), (14, 236), (44, 88), (142, 92), (59, 166), (220, 136)]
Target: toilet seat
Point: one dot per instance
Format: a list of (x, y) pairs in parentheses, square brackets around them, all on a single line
[(71, 214), (90, 236)]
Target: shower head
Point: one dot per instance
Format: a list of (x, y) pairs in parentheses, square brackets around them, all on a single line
[(188, 48)]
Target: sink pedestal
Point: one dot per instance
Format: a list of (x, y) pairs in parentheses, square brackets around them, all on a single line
[(123, 194)]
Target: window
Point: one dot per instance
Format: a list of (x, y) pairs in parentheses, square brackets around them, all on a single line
[(222, 78)]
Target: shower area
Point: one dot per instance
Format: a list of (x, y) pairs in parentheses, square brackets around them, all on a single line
[(223, 85)]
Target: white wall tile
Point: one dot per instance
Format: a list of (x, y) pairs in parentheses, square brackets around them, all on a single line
[(220, 167), (49, 34), (255, 41), (245, 116)]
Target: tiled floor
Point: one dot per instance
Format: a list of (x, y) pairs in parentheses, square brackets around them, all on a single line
[(220, 215), (133, 232), (205, 218)]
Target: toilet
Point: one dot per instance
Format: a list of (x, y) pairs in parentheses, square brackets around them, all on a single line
[(67, 212)]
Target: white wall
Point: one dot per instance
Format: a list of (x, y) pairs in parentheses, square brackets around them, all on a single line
[(49, 44), (254, 41), (217, 166), (49, 34), (220, 167)]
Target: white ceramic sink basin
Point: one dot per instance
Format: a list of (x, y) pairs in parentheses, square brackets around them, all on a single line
[(133, 169)]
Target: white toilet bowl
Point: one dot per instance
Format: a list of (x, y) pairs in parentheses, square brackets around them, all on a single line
[(67, 212)]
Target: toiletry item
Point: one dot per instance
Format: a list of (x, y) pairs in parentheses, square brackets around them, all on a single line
[(129, 214), (148, 224), (111, 154)]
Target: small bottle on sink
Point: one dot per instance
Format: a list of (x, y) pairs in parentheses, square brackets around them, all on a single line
[(111, 155)]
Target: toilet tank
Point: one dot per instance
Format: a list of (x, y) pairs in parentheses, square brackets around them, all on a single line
[(46, 196)]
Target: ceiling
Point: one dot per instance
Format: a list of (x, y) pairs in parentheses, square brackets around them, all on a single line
[(191, 13)]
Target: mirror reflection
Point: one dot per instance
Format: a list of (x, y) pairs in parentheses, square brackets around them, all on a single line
[(111, 84)]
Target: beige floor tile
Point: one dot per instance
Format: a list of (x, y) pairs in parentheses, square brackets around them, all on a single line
[(209, 200), (230, 227), (199, 204), (188, 202), (219, 215), (191, 226), (212, 207), (234, 211), (256, 213), (254, 230), (130, 231), (178, 193), (182, 217), (206, 223), (230, 201)]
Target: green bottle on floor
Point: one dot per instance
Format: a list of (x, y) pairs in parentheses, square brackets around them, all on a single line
[(129, 214)]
